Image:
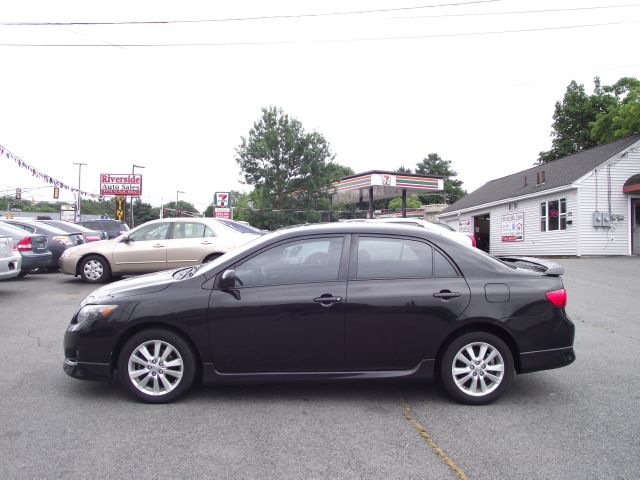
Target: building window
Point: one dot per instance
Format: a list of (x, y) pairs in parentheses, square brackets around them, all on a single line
[(553, 215), (512, 206)]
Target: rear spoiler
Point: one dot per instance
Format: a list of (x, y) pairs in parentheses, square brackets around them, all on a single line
[(538, 264)]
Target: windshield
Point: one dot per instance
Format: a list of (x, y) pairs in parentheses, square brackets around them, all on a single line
[(239, 227)]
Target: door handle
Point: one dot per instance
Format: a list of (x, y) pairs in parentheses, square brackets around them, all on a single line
[(446, 294), (158, 245), (327, 300), (206, 243)]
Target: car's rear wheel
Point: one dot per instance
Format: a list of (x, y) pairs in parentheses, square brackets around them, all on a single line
[(95, 269), (156, 366), (476, 368)]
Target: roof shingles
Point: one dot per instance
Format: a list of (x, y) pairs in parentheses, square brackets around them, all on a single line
[(558, 173)]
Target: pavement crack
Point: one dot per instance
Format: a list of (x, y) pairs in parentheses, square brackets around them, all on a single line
[(608, 330), (38, 340), (426, 436)]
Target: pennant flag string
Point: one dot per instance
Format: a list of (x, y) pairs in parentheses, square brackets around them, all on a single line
[(43, 176)]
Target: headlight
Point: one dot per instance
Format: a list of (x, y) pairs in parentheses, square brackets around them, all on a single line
[(95, 312)]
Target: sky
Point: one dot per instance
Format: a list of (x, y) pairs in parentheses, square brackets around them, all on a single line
[(474, 82)]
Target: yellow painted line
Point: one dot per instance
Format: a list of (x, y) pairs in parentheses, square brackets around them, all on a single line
[(429, 440)]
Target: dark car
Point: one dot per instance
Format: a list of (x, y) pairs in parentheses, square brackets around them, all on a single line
[(32, 247), (88, 235), (350, 301), (113, 228), (57, 240)]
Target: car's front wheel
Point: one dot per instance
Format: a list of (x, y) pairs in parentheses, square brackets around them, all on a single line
[(156, 366), (476, 368), (95, 269)]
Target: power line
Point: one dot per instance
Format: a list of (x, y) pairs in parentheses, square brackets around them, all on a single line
[(516, 12), (242, 19), (297, 42)]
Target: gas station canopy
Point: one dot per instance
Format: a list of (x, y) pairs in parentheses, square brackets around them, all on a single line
[(379, 185)]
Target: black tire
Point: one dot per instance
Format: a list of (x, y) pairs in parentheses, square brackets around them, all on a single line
[(23, 273), (476, 368), (96, 274), (182, 352)]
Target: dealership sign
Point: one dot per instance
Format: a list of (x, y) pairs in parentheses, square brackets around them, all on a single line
[(121, 184), (513, 227)]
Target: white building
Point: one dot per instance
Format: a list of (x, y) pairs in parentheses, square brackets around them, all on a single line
[(585, 204)]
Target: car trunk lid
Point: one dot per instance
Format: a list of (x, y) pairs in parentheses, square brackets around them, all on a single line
[(544, 266)]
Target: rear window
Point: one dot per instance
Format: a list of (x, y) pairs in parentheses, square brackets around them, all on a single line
[(239, 227)]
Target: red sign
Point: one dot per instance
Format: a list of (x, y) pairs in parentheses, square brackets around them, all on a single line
[(121, 184), (223, 213)]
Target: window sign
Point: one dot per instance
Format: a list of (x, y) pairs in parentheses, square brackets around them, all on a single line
[(513, 227)]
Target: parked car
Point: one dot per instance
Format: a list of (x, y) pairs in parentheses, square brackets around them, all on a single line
[(57, 240), (10, 259), (341, 301), (31, 246), (112, 228), (438, 227), (156, 245), (88, 235)]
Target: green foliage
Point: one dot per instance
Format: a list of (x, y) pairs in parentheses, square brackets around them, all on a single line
[(403, 170), (584, 120), (144, 212), (433, 164), (289, 168), (623, 117), (412, 202)]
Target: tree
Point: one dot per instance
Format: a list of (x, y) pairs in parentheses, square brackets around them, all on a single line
[(433, 164), (288, 167), (623, 117), (583, 121), (143, 212), (403, 170), (412, 202)]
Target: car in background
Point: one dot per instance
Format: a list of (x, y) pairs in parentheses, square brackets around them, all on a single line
[(156, 245), (32, 247), (10, 259), (57, 240), (88, 235), (439, 228), (332, 302), (112, 228)]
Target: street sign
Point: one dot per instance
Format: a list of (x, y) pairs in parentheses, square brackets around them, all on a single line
[(223, 213), (222, 199), (67, 213), (121, 209), (129, 184)]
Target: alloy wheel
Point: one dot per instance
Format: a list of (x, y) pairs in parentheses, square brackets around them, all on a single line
[(478, 369), (155, 367)]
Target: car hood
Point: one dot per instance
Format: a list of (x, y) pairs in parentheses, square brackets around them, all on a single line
[(140, 285)]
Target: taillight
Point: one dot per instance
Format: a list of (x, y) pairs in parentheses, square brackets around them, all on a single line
[(24, 244), (473, 240), (15, 248), (92, 238), (557, 297)]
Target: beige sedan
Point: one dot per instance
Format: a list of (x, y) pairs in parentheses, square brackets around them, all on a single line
[(156, 245)]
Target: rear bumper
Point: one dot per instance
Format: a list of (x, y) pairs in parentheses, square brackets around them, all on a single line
[(87, 371), (37, 260), (10, 268), (546, 359)]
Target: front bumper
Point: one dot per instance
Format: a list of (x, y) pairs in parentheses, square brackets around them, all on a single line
[(546, 359), (87, 371), (68, 264)]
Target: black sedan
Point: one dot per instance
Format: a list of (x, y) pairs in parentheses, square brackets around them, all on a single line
[(328, 302)]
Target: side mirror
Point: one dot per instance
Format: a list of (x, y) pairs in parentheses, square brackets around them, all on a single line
[(125, 240), (228, 280)]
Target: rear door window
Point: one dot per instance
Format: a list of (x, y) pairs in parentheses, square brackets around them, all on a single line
[(380, 257)]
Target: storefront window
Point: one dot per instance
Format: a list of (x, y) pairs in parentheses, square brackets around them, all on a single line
[(553, 215)]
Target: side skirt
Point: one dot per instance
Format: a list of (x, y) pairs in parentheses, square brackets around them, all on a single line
[(423, 371)]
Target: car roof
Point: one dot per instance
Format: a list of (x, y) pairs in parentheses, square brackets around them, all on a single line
[(50, 229)]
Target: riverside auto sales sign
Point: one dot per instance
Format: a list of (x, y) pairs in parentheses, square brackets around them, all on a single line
[(121, 184)]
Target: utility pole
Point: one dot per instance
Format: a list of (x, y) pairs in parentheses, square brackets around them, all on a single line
[(133, 171), (78, 214), (177, 193)]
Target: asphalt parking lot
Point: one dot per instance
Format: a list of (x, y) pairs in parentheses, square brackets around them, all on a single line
[(578, 422)]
